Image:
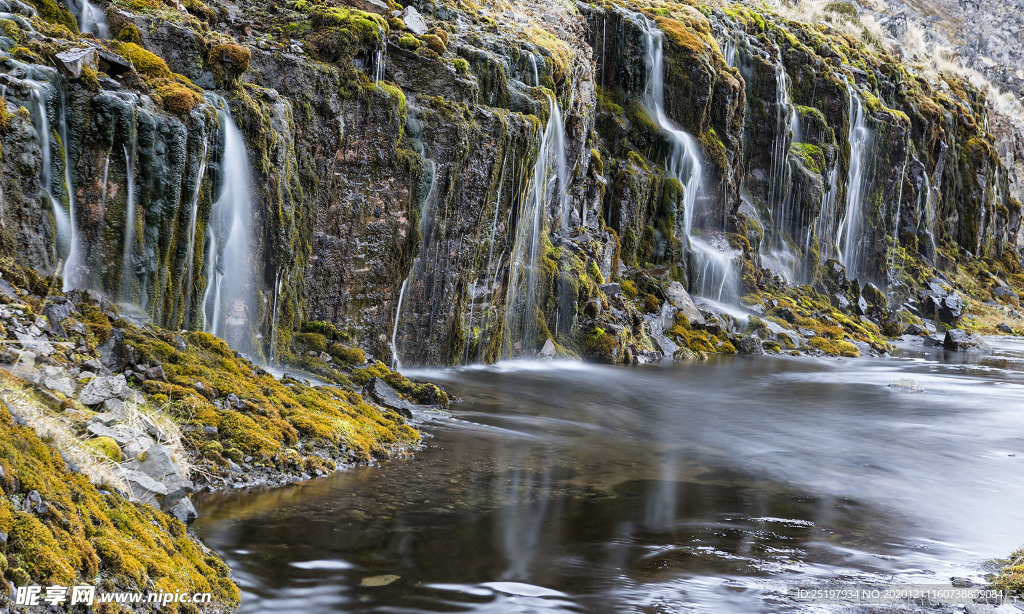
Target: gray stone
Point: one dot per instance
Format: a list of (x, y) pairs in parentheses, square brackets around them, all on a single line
[(33, 343), (34, 504), (666, 345), (63, 385), (160, 467), (906, 384), (681, 299), (115, 353), (611, 289), (414, 21), (1005, 328), (951, 308), (750, 344), (72, 61), (55, 315), (388, 397), (960, 340), (548, 351), (183, 510), (102, 388)]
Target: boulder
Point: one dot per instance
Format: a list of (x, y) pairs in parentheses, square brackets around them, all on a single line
[(55, 314), (875, 297), (611, 289), (1005, 328), (102, 388), (960, 340), (162, 471), (72, 61), (751, 344), (861, 306), (680, 298), (184, 511), (34, 504), (385, 395), (414, 21), (951, 308), (115, 354), (64, 385)]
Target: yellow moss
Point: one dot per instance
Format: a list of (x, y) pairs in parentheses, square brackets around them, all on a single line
[(176, 97), (145, 62), (107, 447)]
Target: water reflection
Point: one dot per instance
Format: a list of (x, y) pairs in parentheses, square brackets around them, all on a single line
[(697, 487)]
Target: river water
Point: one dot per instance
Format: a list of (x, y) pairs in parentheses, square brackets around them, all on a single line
[(716, 486)]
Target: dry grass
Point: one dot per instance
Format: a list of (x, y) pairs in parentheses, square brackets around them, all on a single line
[(57, 427)]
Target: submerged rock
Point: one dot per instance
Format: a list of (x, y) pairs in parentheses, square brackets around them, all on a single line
[(906, 384)]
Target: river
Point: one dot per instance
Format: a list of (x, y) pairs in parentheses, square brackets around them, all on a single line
[(716, 486)]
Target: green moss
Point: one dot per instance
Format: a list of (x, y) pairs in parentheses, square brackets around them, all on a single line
[(56, 13), (810, 155), (228, 61), (408, 41), (629, 289), (176, 97), (599, 346), (434, 43), (834, 347)]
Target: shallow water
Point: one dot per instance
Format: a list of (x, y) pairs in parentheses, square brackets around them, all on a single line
[(704, 487)]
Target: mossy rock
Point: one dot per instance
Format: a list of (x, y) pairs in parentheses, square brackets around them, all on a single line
[(145, 62), (228, 62), (107, 447)]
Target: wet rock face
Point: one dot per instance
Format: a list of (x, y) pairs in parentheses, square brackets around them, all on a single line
[(392, 178)]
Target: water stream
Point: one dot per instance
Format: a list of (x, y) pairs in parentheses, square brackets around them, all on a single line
[(230, 280), (698, 487), (849, 232), (711, 264)]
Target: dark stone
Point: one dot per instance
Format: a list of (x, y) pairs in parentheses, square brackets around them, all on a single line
[(749, 345), (156, 373), (1004, 292), (950, 309), (115, 353), (385, 395), (34, 503), (914, 329), (875, 297), (786, 314), (861, 306), (55, 314), (840, 302), (959, 340), (611, 289), (1005, 328)]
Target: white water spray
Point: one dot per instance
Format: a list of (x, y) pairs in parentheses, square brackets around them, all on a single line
[(850, 229)]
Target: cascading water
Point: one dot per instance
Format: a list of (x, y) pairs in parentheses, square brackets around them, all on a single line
[(193, 220), (787, 129), (41, 119), (712, 268), (849, 232), (230, 281), (92, 19), (128, 272)]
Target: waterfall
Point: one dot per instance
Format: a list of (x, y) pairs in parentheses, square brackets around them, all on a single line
[(536, 75), (128, 272), (779, 192), (379, 63), (849, 231), (230, 281), (193, 220), (278, 281), (712, 265), (41, 119), (396, 362), (521, 308), (92, 19)]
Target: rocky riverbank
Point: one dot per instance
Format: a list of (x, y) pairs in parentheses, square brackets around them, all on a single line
[(128, 420)]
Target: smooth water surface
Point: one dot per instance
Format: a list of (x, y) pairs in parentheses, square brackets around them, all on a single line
[(703, 487)]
